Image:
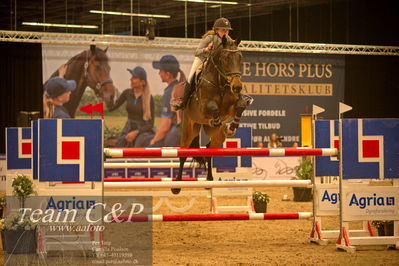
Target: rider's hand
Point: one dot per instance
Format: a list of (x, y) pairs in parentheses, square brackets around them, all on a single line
[(209, 47)]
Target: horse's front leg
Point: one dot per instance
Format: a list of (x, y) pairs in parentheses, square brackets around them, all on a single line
[(243, 102), (179, 175)]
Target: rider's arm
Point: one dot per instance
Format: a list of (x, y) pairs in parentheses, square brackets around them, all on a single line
[(163, 129), (122, 98), (202, 47)]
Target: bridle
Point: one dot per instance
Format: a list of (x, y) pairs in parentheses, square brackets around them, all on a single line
[(221, 73), (88, 77)]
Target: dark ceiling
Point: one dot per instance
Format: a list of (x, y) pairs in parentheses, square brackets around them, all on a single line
[(14, 12), (364, 22)]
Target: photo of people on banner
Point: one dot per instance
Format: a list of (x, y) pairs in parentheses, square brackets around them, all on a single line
[(135, 96), (134, 90)]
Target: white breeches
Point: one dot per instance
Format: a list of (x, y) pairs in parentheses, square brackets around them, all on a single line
[(196, 63)]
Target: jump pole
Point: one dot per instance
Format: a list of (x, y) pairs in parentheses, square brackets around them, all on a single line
[(210, 184), (148, 165), (183, 152), (163, 179), (212, 217)]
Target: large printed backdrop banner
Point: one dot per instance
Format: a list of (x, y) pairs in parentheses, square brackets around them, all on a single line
[(283, 85)]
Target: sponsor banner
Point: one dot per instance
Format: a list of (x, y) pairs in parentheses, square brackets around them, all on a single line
[(370, 148), (328, 199), (115, 172), (18, 148), (70, 150), (283, 85), (137, 172), (371, 203), (326, 136), (200, 172), (287, 85), (241, 139), (160, 172), (187, 172), (92, 224), (279, 168)]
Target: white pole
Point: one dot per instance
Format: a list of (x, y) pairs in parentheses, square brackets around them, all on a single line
[(210, 184), (149, 165)]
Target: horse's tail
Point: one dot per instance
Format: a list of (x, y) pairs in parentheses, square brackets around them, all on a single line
[(200, 160)]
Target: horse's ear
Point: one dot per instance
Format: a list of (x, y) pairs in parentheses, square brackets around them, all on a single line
[(105, 50), (93, 48), (224, 40), (237, 41)]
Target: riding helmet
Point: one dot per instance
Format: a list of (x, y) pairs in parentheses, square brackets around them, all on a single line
[(222, 23)]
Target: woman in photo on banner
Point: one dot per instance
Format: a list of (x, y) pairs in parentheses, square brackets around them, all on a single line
[(57, 92), (140, 109)]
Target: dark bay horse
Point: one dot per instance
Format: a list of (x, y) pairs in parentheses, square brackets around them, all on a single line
[(89, 68), (216, 105)]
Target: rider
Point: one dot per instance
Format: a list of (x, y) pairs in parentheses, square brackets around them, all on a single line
[(210, 39)]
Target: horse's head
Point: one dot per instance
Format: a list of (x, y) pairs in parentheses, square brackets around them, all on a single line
[(97, 72), (229, 62)]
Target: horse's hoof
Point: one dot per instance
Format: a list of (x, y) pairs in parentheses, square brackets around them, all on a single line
[(176, 190), (229, 132)]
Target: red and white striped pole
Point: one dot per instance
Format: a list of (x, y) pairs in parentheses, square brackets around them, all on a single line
[(183, 152), (212, 217)]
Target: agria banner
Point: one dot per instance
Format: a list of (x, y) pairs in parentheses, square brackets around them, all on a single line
[(287, 85)]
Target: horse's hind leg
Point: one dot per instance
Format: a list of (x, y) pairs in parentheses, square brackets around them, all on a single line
[(189, 132), (217, 138)]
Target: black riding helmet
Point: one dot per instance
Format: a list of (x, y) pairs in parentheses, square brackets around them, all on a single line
[(222, 23)]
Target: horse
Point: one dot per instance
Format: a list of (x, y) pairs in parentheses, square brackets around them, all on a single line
[(216, 105), (89, 68)]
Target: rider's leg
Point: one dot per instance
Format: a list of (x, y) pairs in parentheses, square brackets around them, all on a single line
[(189, 88)]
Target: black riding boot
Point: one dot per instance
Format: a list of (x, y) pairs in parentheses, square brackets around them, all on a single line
[(188, 91)]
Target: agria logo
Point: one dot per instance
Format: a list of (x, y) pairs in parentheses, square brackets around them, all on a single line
[(363, 202), (333, 198)]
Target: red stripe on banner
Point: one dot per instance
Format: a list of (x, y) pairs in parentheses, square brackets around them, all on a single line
[(26, 148), (145, 179)]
